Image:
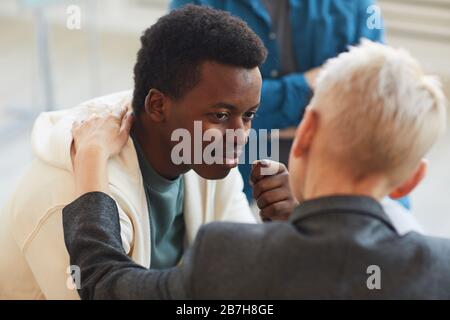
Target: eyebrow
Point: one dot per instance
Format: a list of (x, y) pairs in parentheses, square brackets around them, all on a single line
[(230, 106)]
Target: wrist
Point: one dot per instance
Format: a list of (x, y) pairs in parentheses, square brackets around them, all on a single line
[(93, 153), (90, 169)]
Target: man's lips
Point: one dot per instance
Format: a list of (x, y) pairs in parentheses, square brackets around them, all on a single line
[(232, 160)]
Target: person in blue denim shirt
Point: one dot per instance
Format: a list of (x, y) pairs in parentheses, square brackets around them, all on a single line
[(300, 36)]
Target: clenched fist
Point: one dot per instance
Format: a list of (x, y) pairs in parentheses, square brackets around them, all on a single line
[(270, 181)]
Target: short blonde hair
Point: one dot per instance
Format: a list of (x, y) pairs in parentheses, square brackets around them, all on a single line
[(383, 113)]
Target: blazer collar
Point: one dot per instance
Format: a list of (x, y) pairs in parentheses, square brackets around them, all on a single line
[(361, 205)]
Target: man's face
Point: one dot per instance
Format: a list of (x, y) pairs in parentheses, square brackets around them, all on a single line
[(226, 97)]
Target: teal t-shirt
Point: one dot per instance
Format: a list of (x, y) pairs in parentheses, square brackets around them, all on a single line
[(165, 205)]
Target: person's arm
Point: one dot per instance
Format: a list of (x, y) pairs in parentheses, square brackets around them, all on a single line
[(46, 243), (95, 140), (91, 223), (47, 257), (283, 101), (92, 237)]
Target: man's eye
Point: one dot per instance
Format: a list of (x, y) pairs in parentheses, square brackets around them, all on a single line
[(222, 116), (250, 115)]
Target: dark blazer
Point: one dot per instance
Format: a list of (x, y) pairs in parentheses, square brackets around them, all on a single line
[(341, 247)]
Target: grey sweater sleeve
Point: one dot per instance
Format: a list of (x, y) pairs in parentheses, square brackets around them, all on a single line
[(92, 237)]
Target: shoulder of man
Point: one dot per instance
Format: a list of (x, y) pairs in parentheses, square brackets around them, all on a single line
[(42, 191), (38, 199)]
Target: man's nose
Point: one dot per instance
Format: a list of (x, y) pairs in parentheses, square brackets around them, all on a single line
[(238, 124), (238, 136)]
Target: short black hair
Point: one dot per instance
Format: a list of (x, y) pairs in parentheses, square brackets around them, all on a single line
[(176, 45)]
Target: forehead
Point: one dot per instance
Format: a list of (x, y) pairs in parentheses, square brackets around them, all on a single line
[(229, 84)]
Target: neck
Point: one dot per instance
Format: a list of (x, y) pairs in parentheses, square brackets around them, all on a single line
[(156, 150), (327, 180)]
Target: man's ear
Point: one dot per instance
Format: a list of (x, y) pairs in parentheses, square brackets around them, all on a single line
[(155, 104), (408, 186), (305, 133)]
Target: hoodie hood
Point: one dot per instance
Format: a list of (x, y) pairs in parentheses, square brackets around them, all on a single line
[(51, 138)]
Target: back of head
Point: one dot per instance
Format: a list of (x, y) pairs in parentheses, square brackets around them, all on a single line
[(380, 112)]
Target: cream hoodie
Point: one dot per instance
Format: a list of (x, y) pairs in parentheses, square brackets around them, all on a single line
[(34, 262)]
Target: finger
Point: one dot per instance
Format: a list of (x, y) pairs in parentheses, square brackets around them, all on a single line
[(127, 123), (123, 113), (277, 211), (272, 196), (264, 168), (75, 124), (256, 170), (269, 183), (91, 117)]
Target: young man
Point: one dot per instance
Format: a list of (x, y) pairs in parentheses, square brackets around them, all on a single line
[(338, 236), (195, 64)]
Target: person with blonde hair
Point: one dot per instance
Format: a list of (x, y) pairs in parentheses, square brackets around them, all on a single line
[(373, 118)]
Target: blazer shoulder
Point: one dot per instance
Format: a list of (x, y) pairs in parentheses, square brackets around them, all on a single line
[(226, 259), (243, 241), (436, 246), (237, 232), (434, 252)]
